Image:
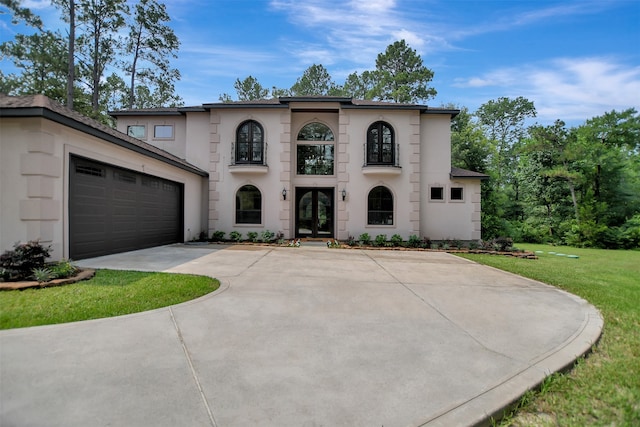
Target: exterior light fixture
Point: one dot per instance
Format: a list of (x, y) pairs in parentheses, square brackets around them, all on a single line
[(344, 194), (284, 194)]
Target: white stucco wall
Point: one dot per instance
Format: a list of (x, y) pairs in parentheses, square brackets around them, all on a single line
[(403, 183), (34, 159), (225, 181)]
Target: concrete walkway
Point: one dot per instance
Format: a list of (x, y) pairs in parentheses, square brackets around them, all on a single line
[(304, 336)]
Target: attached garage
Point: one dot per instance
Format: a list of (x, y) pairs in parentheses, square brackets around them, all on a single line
[(116, 210), (85, 189)]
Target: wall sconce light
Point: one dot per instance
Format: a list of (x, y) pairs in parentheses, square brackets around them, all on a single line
[(284, 194), (344, 194)]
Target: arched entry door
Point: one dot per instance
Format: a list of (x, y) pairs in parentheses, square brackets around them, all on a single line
[(314, 212)]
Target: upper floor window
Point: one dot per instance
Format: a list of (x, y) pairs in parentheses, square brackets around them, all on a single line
[(380, 206), (250, 143), (380, 144), (137, 131), (436, 193), (456, 193), (315, 132), (163, 131), (248, 205), (315, 159)]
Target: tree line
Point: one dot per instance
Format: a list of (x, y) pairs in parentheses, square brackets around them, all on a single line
[(578, 186), (400, 76)]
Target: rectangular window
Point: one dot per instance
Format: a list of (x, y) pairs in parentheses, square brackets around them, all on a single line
[(437, 193), (315, 159), (137, 131), (456, 193), (163, 131)]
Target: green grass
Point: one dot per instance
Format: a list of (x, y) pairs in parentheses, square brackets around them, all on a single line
[(604, 388), (109, 293)]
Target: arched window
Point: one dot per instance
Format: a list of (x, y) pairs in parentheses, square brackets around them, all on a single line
[(250, 143), (248, 205), (380, 144), (380, 206), (315, 132), (315, 158)]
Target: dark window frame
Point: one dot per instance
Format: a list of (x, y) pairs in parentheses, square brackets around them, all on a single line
[(436, 193), (456, 194), (249, 149), (248, 207), (380, 208), (379, 151)]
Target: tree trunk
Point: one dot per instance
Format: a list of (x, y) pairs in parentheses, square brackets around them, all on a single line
[(572, 189), (71, 58)]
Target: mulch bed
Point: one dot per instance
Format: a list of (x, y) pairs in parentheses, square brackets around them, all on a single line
[(84, 274)]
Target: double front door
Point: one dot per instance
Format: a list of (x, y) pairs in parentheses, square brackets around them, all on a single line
[(314, 212)]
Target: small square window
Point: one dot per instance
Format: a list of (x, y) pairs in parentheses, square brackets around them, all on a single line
[(163, 131), (437, 193), (456, 193), (137, 131)]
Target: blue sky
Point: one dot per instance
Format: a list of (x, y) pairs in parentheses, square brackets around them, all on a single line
[(574, 59)]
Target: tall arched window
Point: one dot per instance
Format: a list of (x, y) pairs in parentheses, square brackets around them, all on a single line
[(380, 144), (248, 205), (380, 206), (250, 143), (317, 157)]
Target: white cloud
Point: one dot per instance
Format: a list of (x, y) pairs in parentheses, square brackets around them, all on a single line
[(567, 88), (354, 31)]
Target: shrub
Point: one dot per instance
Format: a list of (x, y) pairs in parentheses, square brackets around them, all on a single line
[(351, 241), (630, 232), (267, 236), (426, 243), (396, 240), (502, 244), (63, 269), (380, 240), (19, 263), (42, 275), (365, 239), (218, 236), (236, 236), (414, 241), (252, 236)]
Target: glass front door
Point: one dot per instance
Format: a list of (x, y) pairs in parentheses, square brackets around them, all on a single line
[(314, 212)]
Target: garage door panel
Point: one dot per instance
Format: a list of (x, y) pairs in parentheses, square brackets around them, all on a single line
[(115, 210)]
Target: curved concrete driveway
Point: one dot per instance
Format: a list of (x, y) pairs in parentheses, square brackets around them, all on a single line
[(300, 337)]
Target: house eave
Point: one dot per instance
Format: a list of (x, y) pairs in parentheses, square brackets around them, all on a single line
[(43, 112)]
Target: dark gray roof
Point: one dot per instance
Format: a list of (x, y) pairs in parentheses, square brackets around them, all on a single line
[(42, 106), (463, 173), (283, 102)]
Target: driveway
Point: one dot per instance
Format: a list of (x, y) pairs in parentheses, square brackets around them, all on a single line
[(304, 336)]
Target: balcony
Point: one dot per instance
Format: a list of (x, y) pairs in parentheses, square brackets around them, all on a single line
[(249, 162), (385, 163)]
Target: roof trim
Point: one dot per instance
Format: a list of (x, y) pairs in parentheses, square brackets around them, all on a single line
[(248, 104), (47, 113), (145, 113), (464, 173)]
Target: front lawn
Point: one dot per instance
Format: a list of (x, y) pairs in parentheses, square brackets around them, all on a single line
[(603, 389), (109, 293)]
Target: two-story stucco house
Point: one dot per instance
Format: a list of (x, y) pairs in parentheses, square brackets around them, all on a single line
[(318, 167)]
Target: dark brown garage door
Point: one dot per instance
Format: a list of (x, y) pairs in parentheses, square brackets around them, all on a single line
[(116, 210)]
